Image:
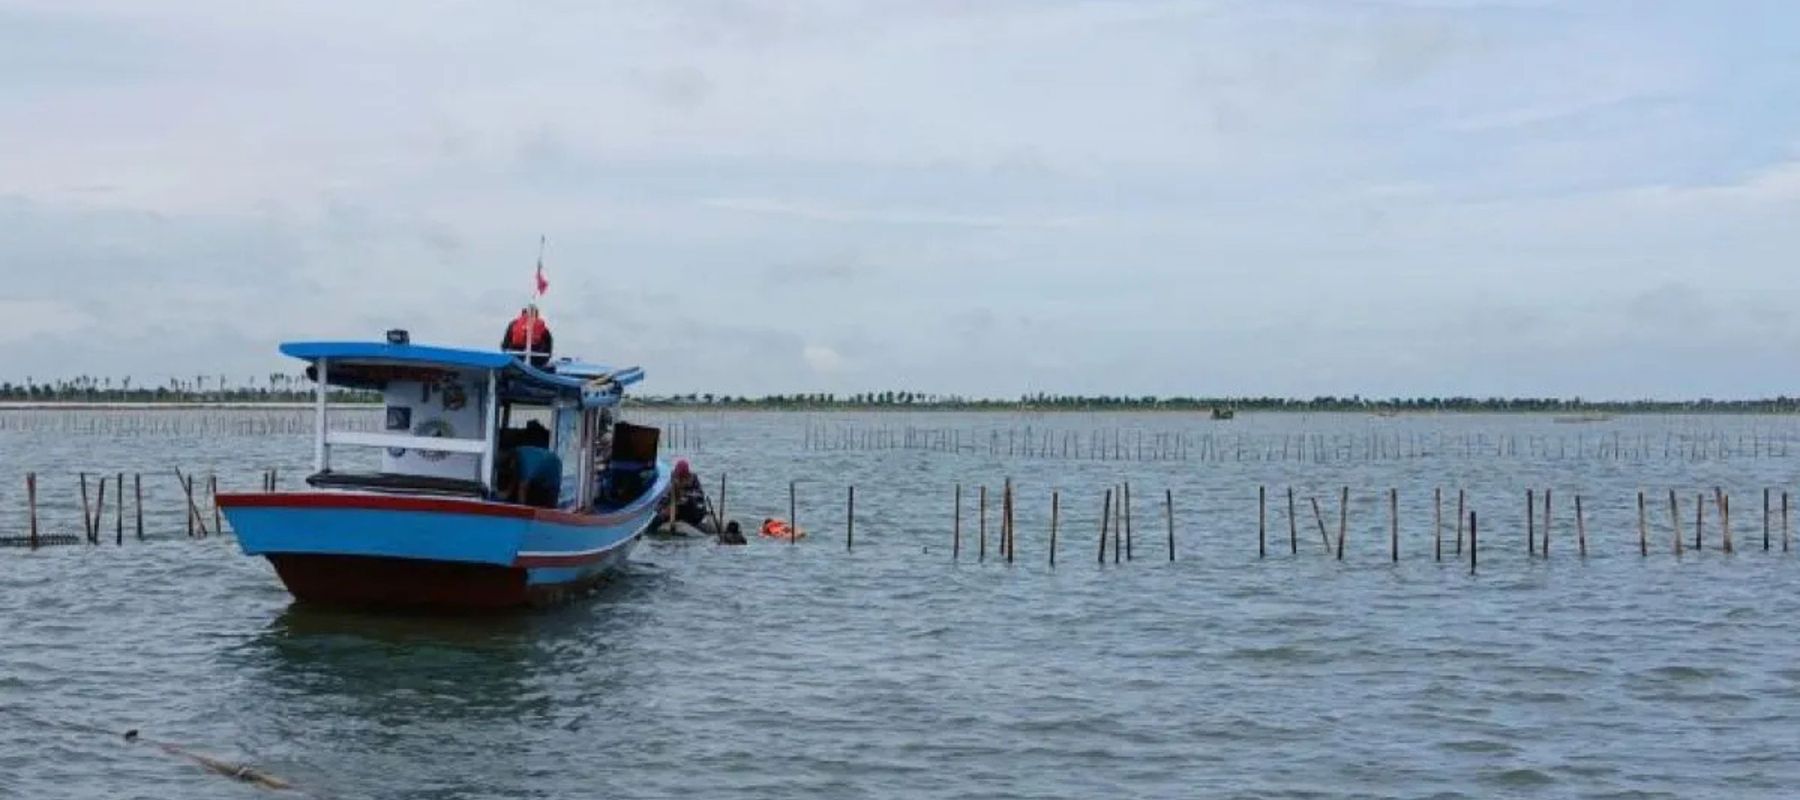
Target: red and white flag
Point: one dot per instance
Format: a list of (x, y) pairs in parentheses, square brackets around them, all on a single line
[(542, 283)]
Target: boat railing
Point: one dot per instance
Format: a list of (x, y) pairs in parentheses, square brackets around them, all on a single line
[(427, 443)]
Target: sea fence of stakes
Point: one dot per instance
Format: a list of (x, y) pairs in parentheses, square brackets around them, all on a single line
[(983, 519), (1141, 445)]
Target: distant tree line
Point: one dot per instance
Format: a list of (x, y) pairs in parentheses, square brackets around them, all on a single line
[(1353, 403), (279, 387), (276, 387)]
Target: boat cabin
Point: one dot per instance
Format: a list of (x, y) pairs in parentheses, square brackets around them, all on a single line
[(452, 420)]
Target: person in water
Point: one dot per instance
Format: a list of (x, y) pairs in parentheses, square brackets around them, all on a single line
[(687, 496), (528, 331), (530, 476), (732, 534)]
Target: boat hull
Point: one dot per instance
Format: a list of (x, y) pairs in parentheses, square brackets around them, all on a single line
[(373, 550)]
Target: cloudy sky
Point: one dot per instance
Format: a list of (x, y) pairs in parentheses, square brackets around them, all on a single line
[(990, 197)]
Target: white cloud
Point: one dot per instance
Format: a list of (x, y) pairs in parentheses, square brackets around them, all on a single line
[(822, 359)]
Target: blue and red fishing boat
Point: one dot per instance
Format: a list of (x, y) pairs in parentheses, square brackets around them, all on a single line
[(494, 483)]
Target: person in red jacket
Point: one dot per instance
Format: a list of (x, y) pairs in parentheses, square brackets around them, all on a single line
[(529, 331)]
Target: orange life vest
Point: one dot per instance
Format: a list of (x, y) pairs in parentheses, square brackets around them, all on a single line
[(515, 333)]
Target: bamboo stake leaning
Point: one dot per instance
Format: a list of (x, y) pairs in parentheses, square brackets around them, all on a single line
[(1118, 522), (1105, 517), (1343, 520), (87, 524), (99, 509), (1320, 518), (1580, 529), (212, 493)]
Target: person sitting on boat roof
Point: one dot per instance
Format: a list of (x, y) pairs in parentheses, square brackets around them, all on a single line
[(528, 334), (529, 475)]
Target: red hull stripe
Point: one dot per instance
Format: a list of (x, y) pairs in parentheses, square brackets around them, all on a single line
[(429, 505)]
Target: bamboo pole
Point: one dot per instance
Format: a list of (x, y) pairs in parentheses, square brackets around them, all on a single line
[(137, 506), (1580, 529), (119, 517), (1394, 523), (956, 526), (1055, 517), (1006, 521), (1105, 517), (212, 492), (1474, 548), (1118, 522), (1460, 493), (1699, 519), (793, 513), (1169, 508), (187, 488), (850, 520), (31, 505), (1530, 522), (1765, 519), (981, 549), (1320, 519), (99, 510), (1293, 526), (1128, 520), (1343, 520), (1262, 514), (1546, 549), (1675, 521), (1723, 502), (87, 522), (1643, 527), (1437, 523), (719, 517), (1784, 521)]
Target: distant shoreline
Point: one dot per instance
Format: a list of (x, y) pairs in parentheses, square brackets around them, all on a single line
[(1573, 414)]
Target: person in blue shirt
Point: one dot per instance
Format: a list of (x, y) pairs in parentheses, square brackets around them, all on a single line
[(529, 475)]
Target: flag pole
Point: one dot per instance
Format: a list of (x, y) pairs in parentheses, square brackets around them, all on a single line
[(531, 322)]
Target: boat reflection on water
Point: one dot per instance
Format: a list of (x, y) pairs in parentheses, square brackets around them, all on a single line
[(340, 701)]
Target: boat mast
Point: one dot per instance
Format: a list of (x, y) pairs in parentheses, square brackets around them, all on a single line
[(321, 458)]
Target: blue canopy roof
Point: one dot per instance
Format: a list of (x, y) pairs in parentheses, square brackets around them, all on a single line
[(589, 384)]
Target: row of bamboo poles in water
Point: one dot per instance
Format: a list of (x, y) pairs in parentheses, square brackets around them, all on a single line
[(94, 507), (1118, 444), (1116, 521)]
